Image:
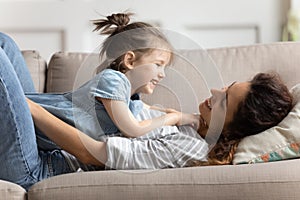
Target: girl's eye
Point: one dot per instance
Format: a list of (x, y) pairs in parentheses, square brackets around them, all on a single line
[(160, 66)]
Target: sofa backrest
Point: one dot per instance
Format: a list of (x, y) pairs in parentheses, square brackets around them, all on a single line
[(69, 70), (192, 73), (37, 67)]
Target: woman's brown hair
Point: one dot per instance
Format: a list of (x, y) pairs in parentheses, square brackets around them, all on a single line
[(139, 37), (266, 104)]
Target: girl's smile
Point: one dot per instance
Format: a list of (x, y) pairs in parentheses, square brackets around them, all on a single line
[(149, 71)]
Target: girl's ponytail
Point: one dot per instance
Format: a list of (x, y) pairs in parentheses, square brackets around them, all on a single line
[(123, 36), (113, 24)]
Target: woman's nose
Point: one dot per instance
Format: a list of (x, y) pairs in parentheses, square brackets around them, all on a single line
[(218, 91), (218, 95)]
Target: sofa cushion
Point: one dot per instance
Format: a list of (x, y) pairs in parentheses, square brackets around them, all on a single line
[(277, 143), (37, 67), (68, 70), (261, 181), (184, 87), (10, 190), (243, 62)]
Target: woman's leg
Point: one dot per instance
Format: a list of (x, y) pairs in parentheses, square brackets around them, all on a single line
[(17, 61), (18, 64), (20, 160), (19, 157)]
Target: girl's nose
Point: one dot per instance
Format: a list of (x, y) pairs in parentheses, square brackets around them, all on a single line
[(161, 72)]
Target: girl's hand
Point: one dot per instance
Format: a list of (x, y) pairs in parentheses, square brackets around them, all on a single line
[(186, 118), (189, 119)]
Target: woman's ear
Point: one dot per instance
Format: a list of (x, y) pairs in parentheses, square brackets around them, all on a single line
[(128, 60)]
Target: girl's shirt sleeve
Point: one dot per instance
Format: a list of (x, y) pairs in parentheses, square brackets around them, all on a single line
[(111, 84)]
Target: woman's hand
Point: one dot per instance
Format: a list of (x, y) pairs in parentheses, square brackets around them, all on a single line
[(32, 106)]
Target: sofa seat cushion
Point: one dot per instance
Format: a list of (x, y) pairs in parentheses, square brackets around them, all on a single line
[(258, 181)]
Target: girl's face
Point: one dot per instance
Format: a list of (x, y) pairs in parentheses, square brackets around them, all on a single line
[(148, 71), (235, 93)]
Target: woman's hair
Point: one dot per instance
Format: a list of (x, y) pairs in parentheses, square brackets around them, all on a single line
[(138, 37), (265, 105)]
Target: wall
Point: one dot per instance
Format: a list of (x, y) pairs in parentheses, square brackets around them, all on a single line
[(53, 25)]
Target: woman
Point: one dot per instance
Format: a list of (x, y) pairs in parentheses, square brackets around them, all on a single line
[(251, 108), (23, 163)]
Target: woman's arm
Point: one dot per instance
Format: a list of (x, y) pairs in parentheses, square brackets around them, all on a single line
[(130, 127), (86, 149)]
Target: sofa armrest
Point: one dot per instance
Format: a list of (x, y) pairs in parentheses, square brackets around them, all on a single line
[(10, 190)]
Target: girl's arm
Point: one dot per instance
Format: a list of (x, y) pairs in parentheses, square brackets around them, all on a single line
[(84, 148), (185, 118), (165, 110), (130, 127)]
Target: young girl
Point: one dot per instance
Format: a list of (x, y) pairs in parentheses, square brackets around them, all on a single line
[(136, 56)]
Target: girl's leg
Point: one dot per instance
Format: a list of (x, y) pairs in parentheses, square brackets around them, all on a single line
[(19, 157), (17, 61)]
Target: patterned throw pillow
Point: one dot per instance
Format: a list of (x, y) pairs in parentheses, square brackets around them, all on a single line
[(277, 143)]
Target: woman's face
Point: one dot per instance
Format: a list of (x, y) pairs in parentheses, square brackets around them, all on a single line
[(235, 93)]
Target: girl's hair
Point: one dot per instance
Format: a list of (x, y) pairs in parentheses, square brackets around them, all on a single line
[(139, 37), (265, 105)]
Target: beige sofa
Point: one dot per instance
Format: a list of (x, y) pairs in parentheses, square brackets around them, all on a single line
[(274, 180)]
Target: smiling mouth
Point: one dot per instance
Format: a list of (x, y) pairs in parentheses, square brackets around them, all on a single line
[(154, 82)]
